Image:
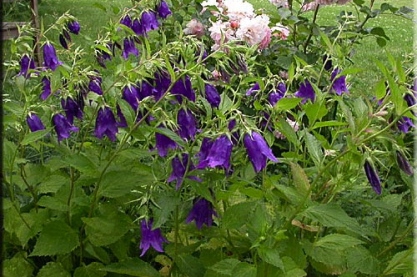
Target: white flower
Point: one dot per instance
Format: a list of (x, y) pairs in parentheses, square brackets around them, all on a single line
[(194, 27), (237, 9), (254, 30), (281, 31)]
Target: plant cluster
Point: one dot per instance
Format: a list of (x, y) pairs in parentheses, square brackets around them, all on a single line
[(221, 139)]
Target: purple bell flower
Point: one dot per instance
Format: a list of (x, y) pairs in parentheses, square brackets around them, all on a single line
[(187, 124), (49, 56), (274, 97), (72, 109), (26, 63), (373, 177), (163, 10), (216, 153), (179, 168), (258, 151), (62, 126), (137, 27), (149, 21), (164, 143), (74, 27), (62, 41), (46, 88), (306, 92), (106, 124), (202, 213), (145, 89), (403, 163), (339, 84), (95, 85), (150, 237), (127, 21), (253, 89), (162, 83), (183, 88), (212, 95), (404, 124), (34, 122), (130, 95), (129, 47)]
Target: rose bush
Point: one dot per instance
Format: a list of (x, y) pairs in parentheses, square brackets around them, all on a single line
[(217, 139)]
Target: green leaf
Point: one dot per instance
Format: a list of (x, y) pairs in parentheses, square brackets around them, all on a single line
[(52, 241), (92, 270), (360, 259), (271, 256), (244, 270), (166, 203), (132, 267), (127, 112), (172, 135), (337, 242), (82, 163), (290, 194), (225, 103), (18, 266), (52, 184), (287, 130), (401, 263), (100, 6), (330, 123), (190, 266), (118, 183), (53, 203), (53, 269), (314, 148), (332, 215), (236, 216), (286, 104), (300, 179), (107, 228), (34, 136), (225, 266)]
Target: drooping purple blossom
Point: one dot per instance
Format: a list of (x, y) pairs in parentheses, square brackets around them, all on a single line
[(129, 48), (149, 21), (212, 95), (306, 92), (127, 21), (274, 97), (162, 83), (130, 95), (102, 56), (34, 122), (216, 153), (72, 109), (338, 84), (137, 27), (74, 27), (403, 163), (254, 88), (164, 143), (26, 63), (62, 41), (150, 237), (258, 151), (106, 124), (62, 126), (373, 177), (186, 124), (404, 124), (95, 85), (46, 88), (202, 213), (183, 87), (145, 89), (163, 10), (179, 169), (49, 56)]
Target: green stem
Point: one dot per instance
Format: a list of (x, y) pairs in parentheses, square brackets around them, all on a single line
[(310, 35)]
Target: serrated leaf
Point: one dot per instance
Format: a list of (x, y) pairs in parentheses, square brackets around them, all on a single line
[(132, 267), (166, 204), (118, 183), (53, 269), (225, 266), (337, 242), (34, 136), (290, 194), (190, 266), (330, 123), (286, 104), (271, 256), (236, 216), (244, 270), (92, 270), (18, 266), (172, 135), (82, 163), (287, 130), (300, 179), (314, 148), (53, 203), (360, 259), (401, 263), (52, 241), (225, 103), (52, 184)]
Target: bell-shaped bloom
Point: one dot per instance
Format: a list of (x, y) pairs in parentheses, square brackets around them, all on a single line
[(95, 85), (129, 47), (49, 56), (258, 151), (122, 123), (404, 124), (162, 83), (130, 95), (306, 92), (149, 21), (212, 95), (72, 109), (46, 88), (62, 126), (187, 124), (373, 177), (403, 163), (253, 89), (34, 122), (145, 89), (106, 124), (137, 27), (183, 88), (163, 10), (127, 21), (216, 153), (274, 97), (26, 63), (102, 56), (74, 27), (66, 35), (202, 213), (164, 143), (62, 41), (150, 237), (338, 84), (179, 169)]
